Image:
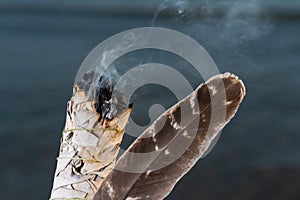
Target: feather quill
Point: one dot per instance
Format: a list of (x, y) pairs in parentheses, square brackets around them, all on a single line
[(177, 144)]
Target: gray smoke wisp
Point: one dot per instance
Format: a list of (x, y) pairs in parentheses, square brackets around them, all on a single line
[(225, 28)]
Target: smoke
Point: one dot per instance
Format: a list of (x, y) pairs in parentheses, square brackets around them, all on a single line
[(177, 8), (229, 30), (226, 29), (246, 19)]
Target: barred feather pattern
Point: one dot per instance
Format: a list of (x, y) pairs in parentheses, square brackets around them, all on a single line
[(196, 127)]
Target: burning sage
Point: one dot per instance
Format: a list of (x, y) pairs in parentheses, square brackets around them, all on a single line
[(90, 141)]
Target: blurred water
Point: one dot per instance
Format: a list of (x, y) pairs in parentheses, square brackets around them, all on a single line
[(257, 156), (145, 2)]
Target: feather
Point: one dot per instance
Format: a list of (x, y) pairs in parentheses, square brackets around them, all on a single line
[(171, 146)]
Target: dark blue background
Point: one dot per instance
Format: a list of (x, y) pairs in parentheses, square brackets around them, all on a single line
[(42, 45)]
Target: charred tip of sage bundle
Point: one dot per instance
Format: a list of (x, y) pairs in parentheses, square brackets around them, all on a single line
[(106, 105), (103, 103)]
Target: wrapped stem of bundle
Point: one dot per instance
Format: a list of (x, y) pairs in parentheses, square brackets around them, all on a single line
[(90, 141)]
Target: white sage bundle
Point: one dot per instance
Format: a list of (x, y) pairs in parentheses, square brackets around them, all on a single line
[(90, 141)]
